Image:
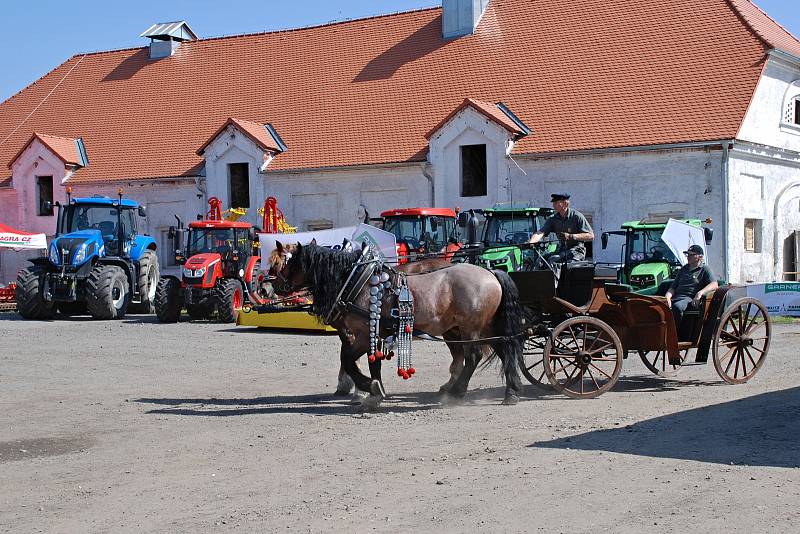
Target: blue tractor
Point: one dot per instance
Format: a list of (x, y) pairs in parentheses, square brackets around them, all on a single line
[(98, 263)]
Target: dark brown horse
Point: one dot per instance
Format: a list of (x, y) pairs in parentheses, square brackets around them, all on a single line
[(462, 303)]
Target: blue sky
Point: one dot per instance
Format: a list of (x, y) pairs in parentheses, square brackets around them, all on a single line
[(40, 34)]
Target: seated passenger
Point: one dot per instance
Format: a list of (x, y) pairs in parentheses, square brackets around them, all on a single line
[(693, 282)]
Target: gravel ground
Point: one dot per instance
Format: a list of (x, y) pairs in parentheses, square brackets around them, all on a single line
[(135, 426)]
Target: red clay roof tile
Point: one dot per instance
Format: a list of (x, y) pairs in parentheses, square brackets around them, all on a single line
[(255, 131), (66, 149), (488, 110), (582, 74)]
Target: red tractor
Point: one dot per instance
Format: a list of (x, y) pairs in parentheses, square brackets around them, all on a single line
[(422, 231), (220, 270)]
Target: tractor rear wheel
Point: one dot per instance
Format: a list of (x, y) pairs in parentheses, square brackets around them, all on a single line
[(108, 292), (168, 300), (229, 297), (148, 283), (30, 301)]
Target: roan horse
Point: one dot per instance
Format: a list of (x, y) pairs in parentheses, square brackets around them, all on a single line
[(462, 303)]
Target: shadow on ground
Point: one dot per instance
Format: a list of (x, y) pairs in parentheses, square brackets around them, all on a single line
[(318, 404), (321, 403), (763, 430)]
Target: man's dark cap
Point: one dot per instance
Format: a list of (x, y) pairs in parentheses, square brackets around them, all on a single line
[(695, 249), (554, 197)]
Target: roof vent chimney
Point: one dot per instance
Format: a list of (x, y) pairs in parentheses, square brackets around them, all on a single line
[(166, 37), (461, 17)]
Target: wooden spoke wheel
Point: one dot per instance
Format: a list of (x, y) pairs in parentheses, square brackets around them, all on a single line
[(533, 355), (583, 357), (657, 361), (742, 340)]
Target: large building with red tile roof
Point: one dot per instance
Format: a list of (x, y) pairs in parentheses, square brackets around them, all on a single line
[(636, 107)]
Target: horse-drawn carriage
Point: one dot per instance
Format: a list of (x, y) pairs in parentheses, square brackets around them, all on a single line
[(579, 330), (573, 329)]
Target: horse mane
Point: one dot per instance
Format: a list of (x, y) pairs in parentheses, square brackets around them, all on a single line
[(326, 271)]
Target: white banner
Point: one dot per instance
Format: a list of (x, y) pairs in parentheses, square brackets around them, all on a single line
[(22, 241), (380, 241), (780, 298), (679, 236)]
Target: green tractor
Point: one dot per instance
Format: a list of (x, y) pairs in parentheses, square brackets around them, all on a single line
[(506, 228), (647, 261)]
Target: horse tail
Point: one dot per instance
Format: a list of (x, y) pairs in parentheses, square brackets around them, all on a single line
[(509, 324)]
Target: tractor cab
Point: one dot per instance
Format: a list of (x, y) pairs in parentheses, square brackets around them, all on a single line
[(222, 246), (421, 231), (506, 227), (646, 259)]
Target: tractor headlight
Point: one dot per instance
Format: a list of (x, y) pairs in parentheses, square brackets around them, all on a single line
[(194, 274), (80, 255), (53, 255)]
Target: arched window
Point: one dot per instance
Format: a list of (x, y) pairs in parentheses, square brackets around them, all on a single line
[(791, 105)]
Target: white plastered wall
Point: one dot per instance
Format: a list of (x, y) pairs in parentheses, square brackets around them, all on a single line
[(614, 188), (765, 174), (316, 198), (163, 201)]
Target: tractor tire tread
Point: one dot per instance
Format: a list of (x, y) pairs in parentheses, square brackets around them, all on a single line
[(30, 303), (99, 298), (147, 260), (168, 303)]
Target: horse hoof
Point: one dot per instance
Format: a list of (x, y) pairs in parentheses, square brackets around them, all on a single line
[(342, 393), (445, 388), (511, 400), (376, 388)]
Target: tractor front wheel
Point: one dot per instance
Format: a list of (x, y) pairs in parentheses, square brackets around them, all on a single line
[(230, 297), (168, 300), (108, 292), (148, 282), (30, 301)]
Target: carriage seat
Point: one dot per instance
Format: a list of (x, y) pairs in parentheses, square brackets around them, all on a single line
[(617, 292), (576, 282)]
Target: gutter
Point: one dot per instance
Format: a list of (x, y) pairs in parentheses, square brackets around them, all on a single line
[(426, 166), (726, 146), (616, 150), (785, 56)]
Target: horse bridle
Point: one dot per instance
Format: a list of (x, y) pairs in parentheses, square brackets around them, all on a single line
[(284, 285)]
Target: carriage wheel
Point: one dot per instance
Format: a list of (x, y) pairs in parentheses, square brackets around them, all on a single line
[(533, 355), (742, 340), (583, 357), (657, 362)]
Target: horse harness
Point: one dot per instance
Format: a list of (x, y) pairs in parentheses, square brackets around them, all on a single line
[(382, 280)]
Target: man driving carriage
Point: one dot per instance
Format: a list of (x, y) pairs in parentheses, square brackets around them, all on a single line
[(571, 229), (692, 282)]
